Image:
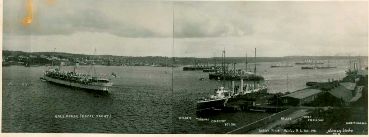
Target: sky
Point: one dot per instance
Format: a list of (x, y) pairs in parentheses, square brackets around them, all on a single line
[(188, 29)]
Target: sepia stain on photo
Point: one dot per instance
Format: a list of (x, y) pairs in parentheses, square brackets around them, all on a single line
[(185, 67)]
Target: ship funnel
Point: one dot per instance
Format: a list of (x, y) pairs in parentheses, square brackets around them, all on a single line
[(241, 86)]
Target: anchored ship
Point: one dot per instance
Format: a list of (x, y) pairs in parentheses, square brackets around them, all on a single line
[(280, 65), (219, 100), (213, 69), (319, 67), (196, 68), (234, 74), (308, 62)]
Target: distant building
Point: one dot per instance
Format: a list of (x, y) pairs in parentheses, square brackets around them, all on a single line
[(301, 97)]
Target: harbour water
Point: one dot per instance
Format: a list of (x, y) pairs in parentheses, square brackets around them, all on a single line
[(142, 100)]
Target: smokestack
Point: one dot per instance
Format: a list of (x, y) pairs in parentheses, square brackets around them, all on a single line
[(241, 86)]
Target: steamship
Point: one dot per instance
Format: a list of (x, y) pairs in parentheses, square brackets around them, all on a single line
[(76, 80)]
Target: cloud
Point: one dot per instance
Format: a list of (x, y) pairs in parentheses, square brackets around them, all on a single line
[(208, 20), (86, 42), (65, 17), (200, 28)]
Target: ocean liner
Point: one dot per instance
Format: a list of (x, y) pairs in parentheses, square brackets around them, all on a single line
[(77, 80)]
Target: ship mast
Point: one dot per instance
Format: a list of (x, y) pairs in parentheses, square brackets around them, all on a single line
[(246, 62), (255, 69), (287, 82), (223, 56), (234, 68), (328, 63), (52, 60), (215, 63), (93, 63), (255, 62)]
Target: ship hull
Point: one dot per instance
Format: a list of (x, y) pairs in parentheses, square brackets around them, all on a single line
[(103, 88), (308, 67), (194, 68), (230, 77), (308, 63), (280, 66), (210, 70), (211, 104)]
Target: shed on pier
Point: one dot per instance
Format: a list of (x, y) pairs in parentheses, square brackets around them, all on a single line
[(301, 97)]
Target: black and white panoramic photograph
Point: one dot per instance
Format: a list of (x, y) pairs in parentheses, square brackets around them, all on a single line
[(185, 67)]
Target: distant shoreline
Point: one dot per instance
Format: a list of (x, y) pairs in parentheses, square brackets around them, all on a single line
[(78, 54), (29, 59)]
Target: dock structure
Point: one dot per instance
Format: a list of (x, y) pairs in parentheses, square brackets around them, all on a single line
[(301, 97), (261, 122)]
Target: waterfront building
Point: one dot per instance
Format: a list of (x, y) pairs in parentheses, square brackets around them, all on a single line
[(301, 97)]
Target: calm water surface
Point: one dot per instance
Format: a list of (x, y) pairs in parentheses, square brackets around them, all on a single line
[(141, 101)]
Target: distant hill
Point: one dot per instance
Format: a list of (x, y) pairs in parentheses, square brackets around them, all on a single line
[(155, 60)]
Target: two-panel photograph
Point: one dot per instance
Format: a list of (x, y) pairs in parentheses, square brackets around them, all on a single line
[(185, 67)]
